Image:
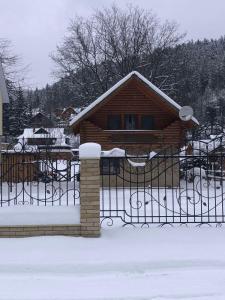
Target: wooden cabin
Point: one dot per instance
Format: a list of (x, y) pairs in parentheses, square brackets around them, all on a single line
[(28, 166), (40, 120), (134, 115), (57, 112), (67, 113)]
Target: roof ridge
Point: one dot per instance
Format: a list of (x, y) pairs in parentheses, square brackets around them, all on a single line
[(117, 85)]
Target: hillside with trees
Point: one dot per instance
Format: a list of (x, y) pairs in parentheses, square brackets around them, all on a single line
[(191, 73), (100, 50)]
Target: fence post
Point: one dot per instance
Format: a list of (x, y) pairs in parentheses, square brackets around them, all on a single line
[(89, 154)]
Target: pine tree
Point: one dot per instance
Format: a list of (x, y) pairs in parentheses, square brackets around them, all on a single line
[(19, 114), (13, 118), (6, 123)]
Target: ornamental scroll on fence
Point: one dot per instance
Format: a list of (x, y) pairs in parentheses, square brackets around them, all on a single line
[(32, 175), (43, 177), (170, 186), (182, 186)]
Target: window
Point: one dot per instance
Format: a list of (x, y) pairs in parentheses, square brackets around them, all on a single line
[(114, 122), (110, 166), (130, 122), (147, 122)]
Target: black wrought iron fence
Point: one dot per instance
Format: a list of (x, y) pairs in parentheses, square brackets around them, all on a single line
[(35, 175), (183, 185)]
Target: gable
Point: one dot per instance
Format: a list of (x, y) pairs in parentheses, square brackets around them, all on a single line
[(41, 131), (159, 97), (40, 120), (40, 116), (132, 99)]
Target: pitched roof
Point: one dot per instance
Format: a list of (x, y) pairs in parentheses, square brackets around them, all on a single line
[(56, 132), (116, 86), (39, 113), (67, 108)]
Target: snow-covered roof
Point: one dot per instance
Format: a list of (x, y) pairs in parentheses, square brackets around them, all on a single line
[(37, 113), (67, 108), (78, 109), (51, 133), (32, 133), (208, 145), (117, 85)]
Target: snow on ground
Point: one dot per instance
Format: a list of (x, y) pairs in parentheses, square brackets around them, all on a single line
[(125, 263), (39, 215)]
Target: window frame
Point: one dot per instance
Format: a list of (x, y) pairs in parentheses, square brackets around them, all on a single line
[(108, 121), (152, 120), (135, 118)]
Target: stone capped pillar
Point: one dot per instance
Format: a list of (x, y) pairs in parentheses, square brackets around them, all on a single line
[(90, 154)]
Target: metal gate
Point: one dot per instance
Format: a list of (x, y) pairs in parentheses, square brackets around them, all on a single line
[(184, 185)]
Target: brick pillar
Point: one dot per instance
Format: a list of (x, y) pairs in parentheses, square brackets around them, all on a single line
[(90, 189)]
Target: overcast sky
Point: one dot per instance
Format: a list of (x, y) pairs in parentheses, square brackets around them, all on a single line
[(35, 27)]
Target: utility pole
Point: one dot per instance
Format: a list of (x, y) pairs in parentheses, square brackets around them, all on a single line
[(4, 98)]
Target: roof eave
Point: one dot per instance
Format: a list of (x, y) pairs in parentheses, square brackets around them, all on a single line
[(79, 117)]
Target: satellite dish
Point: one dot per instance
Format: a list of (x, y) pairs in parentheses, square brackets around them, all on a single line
[(186, 113)]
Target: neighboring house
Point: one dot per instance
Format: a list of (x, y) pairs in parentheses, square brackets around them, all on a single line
[(210, 156), (67, 113), (205, 147), (40, 120), (36, 149), (57, 112), (134, 114), (53, 138), (65, 116)]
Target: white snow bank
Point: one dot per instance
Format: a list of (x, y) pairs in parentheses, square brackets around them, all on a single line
[(196, 171), (115, 152), (39, 215), (118, 152), (136, 164), (152, 154), (126, 263)]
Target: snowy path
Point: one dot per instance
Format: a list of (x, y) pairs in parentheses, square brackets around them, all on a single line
[(136, 264)]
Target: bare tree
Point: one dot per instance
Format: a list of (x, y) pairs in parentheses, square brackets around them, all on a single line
[(13, 69), (14, 113), (105, 47)]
